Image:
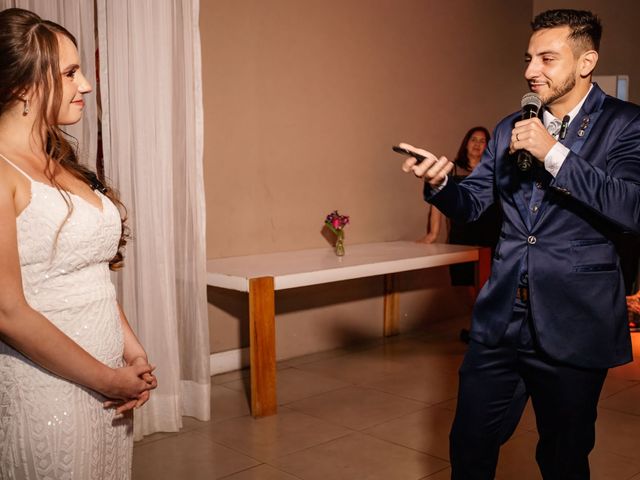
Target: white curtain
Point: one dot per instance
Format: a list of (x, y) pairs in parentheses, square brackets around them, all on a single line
[(152, 130), (77, 16), (150, 75)]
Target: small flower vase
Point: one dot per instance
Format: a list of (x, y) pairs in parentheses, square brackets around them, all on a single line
[(340, 244)]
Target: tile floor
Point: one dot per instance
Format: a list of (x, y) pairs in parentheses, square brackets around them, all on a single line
[(378, 411)]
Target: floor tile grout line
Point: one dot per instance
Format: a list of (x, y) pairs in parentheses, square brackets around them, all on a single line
[(349, 431), (406, 446), (256, 466), (404, 397), (617, 410), (313, 395), (431, 475), (240, 452), (310, 447), (424, 406), (618, 454), (630, 387)]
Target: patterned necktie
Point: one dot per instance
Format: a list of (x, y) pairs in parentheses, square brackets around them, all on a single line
[(554, 128)]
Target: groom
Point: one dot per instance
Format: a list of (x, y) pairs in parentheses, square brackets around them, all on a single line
[(553, 312)]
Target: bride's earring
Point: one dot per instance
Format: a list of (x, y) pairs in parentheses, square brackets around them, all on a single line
[(25, 109)]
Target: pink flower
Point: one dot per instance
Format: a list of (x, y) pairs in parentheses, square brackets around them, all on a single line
[(336, 222)]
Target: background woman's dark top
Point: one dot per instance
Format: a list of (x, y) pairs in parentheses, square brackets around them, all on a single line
[(483, 232)]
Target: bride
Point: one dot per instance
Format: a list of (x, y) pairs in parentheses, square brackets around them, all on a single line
[(71, 368)]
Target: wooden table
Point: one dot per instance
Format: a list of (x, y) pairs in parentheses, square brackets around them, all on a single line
[(262, 275)]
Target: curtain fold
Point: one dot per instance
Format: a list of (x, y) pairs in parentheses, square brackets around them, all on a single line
[(151, 96)]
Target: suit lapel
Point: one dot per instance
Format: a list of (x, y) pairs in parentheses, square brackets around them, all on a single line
[(578, 132), (513, 181)]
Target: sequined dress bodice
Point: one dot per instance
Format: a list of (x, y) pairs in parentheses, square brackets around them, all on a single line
[(51, 428)]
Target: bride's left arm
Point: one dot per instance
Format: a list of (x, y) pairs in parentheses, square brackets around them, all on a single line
[(134, 354), (133, 349)]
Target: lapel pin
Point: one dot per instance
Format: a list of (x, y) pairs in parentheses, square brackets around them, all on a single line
[(583, 126)]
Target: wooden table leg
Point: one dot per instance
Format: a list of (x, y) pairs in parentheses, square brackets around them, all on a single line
[(262, 346), (483, 267), (391, 321)]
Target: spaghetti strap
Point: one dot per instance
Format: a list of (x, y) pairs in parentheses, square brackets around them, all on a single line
[(16, 167)]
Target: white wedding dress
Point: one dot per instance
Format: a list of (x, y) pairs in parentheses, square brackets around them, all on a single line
[(50, 428)]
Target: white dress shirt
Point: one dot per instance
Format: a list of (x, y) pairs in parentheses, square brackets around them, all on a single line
[(558, 153)]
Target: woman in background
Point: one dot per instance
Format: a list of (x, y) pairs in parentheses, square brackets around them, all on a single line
[(483, 232), (71, 368)]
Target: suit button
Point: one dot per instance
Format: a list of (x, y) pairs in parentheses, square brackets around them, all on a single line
[(534, 209), (531, 240)]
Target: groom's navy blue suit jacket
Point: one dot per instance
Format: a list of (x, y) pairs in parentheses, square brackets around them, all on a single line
[(568, 247)]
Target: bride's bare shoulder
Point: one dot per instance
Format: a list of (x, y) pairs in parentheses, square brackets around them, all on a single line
[(8, 173), (13, 183)]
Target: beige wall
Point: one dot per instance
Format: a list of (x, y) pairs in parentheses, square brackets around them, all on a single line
[(303, 100), (620, 37)]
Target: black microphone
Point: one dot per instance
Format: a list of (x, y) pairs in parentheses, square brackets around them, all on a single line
[(563, 127), (530, 104)]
